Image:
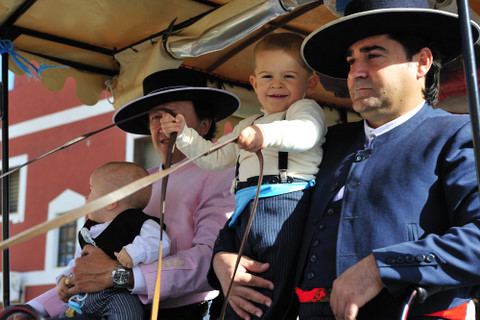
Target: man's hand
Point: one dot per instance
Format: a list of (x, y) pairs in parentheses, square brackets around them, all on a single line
[(251, 139), (356, 286), (242, 293), (92, 271)]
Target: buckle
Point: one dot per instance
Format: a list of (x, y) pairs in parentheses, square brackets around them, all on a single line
[(283, 175), (236, 183)]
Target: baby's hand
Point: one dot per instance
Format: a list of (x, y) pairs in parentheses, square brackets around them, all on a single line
[(171, 124), (124, 258), (251, 139), (62, 288)]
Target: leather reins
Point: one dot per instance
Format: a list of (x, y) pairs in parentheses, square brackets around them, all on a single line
[(72, 142), (74, 214), (247, 232), (168, 163)]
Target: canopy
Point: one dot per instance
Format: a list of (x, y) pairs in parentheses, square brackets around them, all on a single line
[(115, 44)]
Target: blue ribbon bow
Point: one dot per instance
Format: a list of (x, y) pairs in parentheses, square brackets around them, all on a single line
[(6, 46)]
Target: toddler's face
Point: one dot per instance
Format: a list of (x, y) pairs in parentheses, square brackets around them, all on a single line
[(280, 80)]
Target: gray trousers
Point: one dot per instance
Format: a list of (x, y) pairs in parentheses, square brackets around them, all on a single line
[(112, 304)]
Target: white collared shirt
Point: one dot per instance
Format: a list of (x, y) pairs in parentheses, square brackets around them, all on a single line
[(371, 133)]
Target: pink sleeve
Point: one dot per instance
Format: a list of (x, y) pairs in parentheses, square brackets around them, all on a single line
[(149, 272), (51, 302)]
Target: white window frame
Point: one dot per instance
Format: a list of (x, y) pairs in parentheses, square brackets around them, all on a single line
[(65, 201)]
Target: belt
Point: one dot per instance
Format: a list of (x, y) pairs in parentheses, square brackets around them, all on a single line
[(253, 181)]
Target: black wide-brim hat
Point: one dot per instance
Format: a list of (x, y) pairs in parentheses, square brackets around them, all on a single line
[(175, 85), (325, 48)]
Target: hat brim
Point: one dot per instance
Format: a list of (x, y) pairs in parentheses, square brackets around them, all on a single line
[(325, 48), (221, 104)]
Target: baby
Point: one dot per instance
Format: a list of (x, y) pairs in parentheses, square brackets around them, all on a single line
[(123, 231)]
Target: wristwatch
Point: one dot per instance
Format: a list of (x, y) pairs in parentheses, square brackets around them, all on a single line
[(120, 276)]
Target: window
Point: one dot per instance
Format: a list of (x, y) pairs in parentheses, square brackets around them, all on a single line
[(144, 153), (17, 188), (67, 239), (12, 192)]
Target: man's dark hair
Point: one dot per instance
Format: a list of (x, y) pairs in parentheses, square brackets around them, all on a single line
[(412, 45), (204, 112)]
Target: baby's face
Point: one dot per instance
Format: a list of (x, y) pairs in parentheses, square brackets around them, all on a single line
[(280, 80), (97, 190)]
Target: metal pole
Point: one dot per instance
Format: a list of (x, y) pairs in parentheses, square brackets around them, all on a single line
[(471, 80), (5, 182)]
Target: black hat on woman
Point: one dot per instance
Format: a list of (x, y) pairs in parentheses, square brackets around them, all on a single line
[(175, 85)]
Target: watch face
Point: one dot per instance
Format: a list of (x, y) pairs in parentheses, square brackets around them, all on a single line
[(121, 277)]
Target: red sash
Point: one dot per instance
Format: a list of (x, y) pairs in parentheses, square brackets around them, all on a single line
[(314, 295), (457, 313), (323, 295)]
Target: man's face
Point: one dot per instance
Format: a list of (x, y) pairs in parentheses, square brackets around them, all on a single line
[(382, 83), (160, 141)]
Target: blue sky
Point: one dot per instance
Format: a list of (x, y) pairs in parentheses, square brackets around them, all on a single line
[(10, 77)]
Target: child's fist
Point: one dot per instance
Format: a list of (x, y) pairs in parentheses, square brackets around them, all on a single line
[(124, 258), (251, 139), (170, 124)]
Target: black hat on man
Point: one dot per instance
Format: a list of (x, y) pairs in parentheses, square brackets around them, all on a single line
[(325, 48)]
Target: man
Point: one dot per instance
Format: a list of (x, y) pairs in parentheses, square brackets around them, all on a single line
[(396, 201), (197, 205)]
